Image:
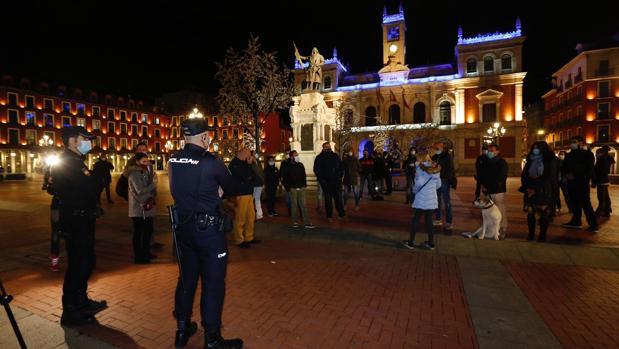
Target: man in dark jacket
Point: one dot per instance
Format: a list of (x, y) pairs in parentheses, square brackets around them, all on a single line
[(493, 181), (448, 180), (328, 170), (578, 170), (603, 163), (351, 177), (244, 213), (480, 162), (294, 180), (367, 173), (271, 182), (103, 168)]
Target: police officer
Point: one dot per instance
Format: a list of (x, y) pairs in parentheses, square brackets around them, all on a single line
[(195, 179), (77, 190)]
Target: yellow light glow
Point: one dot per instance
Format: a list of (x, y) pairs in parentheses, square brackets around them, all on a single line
[(590, 95), (58, 110), (589, 139), (393, 48), (541, 132), (590, 117), (470, 119), (508, 118), (87, 114), (21, 105)]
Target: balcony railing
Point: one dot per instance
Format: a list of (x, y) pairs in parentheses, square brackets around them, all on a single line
[(604, 72)]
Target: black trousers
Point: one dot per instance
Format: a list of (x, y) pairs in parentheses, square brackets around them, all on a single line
[(55, 238), (389, 183), (80, 244), (333, 192), (427, 217), (604, 205), (581, 201), (204, 254), (142, 232), (544, 220), (566, 195), (106, 187), (271, 196)]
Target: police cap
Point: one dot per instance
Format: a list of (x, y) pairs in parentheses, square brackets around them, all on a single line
[(74, 131), (192, 127)]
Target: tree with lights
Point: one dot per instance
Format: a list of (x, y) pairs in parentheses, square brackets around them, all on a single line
[(253, 87)]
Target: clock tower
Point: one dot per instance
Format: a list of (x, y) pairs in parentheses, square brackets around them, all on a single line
[(394, 37)]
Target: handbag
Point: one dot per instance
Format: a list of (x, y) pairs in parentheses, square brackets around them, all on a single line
[(148, 204)]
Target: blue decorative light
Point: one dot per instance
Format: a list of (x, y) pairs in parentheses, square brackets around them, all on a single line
[(398, 17), (489, 37), (392, 127), (359, 87), (333, 60)]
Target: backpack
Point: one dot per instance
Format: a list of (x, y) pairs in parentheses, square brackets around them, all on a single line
[(122, 187)]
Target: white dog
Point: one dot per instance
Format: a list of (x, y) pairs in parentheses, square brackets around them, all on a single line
[(491, 219)]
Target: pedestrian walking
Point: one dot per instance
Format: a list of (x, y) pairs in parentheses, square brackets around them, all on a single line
[(103, 169), (367, 173), (603, 164), (329, 172), (352, 167)]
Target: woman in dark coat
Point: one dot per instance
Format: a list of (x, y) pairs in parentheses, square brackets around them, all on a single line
[(539, 180)]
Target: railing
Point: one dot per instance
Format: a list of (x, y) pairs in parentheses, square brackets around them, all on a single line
[(604, 72)]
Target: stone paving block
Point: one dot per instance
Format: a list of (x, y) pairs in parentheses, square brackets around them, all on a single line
[(544, 253), (598, 257), (448, 245)]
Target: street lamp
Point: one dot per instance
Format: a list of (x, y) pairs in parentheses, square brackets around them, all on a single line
[(496, 131), (169, 146), (195, 114), (46, 141)]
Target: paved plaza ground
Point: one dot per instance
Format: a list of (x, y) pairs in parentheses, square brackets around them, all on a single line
[(342, 285)]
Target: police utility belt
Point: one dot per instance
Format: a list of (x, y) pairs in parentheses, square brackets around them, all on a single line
[(203, 219)]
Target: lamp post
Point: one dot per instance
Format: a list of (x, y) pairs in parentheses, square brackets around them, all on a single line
[(495, 132), (195, 114), (46, 141), (169, 146)]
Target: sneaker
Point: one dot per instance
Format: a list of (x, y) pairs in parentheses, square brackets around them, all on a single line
[(408, 244), (309, 226), (593, 229), (295, 224), (448, 226), (437, 223), (54, 263), (572, 225), (273, 214), (428, 245)]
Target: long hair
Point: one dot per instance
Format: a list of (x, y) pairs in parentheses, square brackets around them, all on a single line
[(544, 149)]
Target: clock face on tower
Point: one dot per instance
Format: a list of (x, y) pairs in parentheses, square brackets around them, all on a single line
[(393, 33)]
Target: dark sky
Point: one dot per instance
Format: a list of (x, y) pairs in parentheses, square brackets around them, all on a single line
[(146, 48)]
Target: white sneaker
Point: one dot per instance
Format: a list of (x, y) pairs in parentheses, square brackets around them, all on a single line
[(448, 226), (408, 244), (437, 223)]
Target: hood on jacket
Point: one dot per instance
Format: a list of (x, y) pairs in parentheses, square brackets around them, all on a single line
[(432, 169)]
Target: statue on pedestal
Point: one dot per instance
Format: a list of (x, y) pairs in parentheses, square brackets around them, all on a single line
[(313, 77)]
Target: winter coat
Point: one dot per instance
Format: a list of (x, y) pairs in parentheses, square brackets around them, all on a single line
[(493, 175), (544, 185), (367, 165), (244, 175), (103, 169), (409, 166), (271, 176), (293, 175), (602, 169), (379, 168), (328, 167), (425, 194), (141, 188), (258, 173), (578, 165), (352, 167), (448, 171)]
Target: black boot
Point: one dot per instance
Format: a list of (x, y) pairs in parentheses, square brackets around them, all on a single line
[(91, 306), (72, 315), (543, 226), (213, 340), (531, 224), (186, 329)]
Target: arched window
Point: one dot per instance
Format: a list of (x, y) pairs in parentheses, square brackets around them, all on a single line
[(471, 66), (370, 116), (488, 64), (419, 113), (445, 113), (506, 62), (394, 114), (327, 83)]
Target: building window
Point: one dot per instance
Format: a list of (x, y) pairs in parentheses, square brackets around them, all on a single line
[(144, 131), (488, 64), (134, 143), (31, 137), (506, 62), (603, 133), (51, 135), (111, 143), (327, 83), (175, 144), (394, 115), (123, 115), (173, 121), (134, 117), (66, 107), (603, 111), (48, 120), (216, 134), (603, 89), (370, 116), (66, 121), (579, 132), (134, 130), (123, 128), (489, 112), (569, 135), (445, 113), (96, 125), (471, 66), (96, 111), (235, 120), (215, 121), (157, 133), (13, 117), (80, 122), (30, 118), (81, 108), (157, 121), (110, 113), (225, 134), (111, 127), (419, 113), (579, 91), (157, 147), (560, 140), (12, 97), (13, 136), (48, 104), (604, 68), (30, 102), (235, 133), (144, 117), (173, 132), (579, 111), (123, 143)]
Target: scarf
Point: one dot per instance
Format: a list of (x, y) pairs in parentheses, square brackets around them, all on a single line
[(537, 165)]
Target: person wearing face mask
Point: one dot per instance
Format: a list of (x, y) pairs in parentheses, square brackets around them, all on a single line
[(103, 168), (448, 181), (410, 165), (329, 172), (282, 169), (494, 182), (352, 167), (563, 185), (367, 173), (271, 182), (603, 163), (578, 169), (538, 179), (77, 189), (294, 180), (258, 183), (142, 193), (480, 163)]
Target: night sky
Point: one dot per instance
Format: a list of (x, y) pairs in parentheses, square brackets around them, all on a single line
[(146, 48)]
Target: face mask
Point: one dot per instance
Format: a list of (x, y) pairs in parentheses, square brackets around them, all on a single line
[(561, 157), (292, 158), (574, 146), (413, 152), (271, 163), (84, 147), (536, 151), (350, 154), (438, 152), (490, 154)]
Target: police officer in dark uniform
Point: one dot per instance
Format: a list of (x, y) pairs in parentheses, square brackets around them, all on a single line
[(77, 190), (195, 179)]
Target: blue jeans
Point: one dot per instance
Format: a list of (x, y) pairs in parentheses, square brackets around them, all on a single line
[(355, 192), (444, 202)]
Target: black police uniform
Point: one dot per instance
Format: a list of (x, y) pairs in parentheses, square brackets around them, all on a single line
[(195, 177), (77, 190)]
